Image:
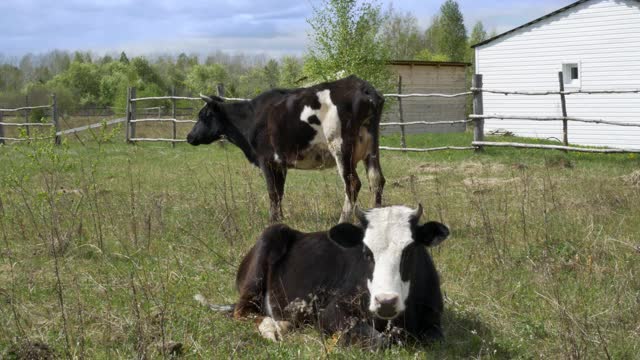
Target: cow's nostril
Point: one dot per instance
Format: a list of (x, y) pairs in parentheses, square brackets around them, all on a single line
[(386, 305), (386, 299)]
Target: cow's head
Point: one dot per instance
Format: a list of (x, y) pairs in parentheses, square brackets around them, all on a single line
[(387, 240), (210, 125)]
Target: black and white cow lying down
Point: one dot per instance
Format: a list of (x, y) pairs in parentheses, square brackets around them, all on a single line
[(329, 124), (355, 281)]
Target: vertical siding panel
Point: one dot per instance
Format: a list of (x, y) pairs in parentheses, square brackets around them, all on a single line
[(443, 78), (600, 35)]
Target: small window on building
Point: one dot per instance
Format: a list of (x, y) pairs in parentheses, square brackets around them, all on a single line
[(574, 73), (571, 74)]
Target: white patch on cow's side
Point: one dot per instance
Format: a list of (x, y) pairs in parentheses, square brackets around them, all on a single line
[(276, 158), (308, 112), (322, 149), (329, 116), (386, 239), (332, 127)]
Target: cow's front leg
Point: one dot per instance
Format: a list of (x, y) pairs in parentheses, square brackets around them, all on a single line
[(275, 176)]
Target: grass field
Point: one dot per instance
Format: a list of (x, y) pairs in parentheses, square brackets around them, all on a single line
[(103, 247)]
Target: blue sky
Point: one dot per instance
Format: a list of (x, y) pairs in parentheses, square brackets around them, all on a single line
[(274, 27)]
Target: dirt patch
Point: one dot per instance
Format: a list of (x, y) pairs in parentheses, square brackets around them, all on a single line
[(559, 162), (30, 350), (417, 179), (474, 168), (484, 184), (467, 168), (171, 348), (632, 179), (63, 191), (431, 168)]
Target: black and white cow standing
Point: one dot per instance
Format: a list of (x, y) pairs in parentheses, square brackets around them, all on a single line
[(330, 124), (357, 281)]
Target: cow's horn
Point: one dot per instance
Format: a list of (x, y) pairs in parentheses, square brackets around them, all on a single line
[(417, 212), (206, 98), (360, 215)]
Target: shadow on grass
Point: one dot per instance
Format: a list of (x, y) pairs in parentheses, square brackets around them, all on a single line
[(466, 336)]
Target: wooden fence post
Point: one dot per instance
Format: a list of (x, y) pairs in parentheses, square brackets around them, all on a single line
[(563, 101), (54, 119), (26, 116), (478, 109), (128, 116), (173, 114), (1, 130), (403, 139), (132, 107)]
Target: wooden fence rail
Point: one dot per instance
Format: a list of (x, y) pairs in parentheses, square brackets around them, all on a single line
[(132, 121), (553, 118), (428, 123), (25, 108), (27, 124), (162, 120), (554, 147), (543, 93), (402, 96)]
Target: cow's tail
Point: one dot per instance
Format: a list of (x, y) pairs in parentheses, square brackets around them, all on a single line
[(226, 308)]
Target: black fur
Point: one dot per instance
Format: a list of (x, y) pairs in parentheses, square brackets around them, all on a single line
[(270, 125), (329, 271)]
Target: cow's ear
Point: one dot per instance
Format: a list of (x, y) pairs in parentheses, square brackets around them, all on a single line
[(213, 101), (346, 235), (431, 233)]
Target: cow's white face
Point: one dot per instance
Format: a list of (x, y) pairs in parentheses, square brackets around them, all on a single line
[(389, 232)]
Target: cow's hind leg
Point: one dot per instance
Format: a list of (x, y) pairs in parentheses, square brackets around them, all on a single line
[(275, 176), (374, 174), (372, 161), (251, 280), (352, 183), (273, 329)]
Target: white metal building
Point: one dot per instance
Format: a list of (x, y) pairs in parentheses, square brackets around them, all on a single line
[(596, 44)]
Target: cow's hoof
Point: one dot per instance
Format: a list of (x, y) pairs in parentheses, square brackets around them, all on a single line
[(273, 330)]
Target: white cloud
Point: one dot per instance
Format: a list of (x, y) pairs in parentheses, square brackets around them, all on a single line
[(267, 26)]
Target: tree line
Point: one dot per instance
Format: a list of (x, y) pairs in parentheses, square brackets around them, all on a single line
[(346, 37), (83, 80)]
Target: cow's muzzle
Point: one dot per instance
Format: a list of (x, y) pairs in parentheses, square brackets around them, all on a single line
[(192, 140), (386, 306)]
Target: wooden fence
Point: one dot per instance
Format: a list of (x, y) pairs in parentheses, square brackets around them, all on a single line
[(478, 117), (402, 124), (27, 124)]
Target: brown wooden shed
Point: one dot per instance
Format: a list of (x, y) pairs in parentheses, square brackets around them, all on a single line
[(429, 77)]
